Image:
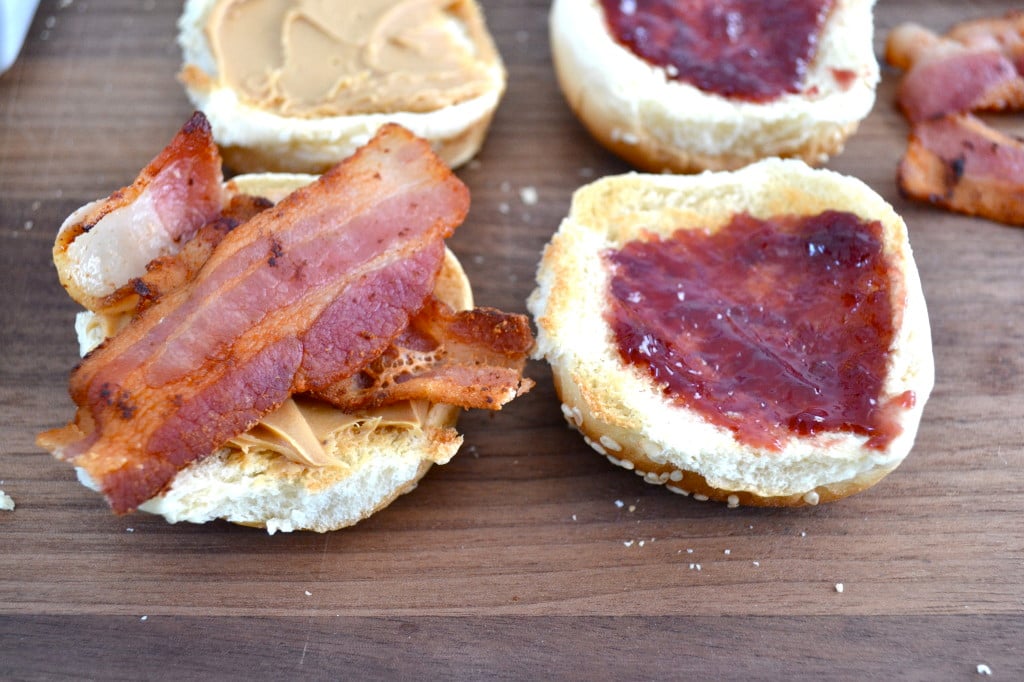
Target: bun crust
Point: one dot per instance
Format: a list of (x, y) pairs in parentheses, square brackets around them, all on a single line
[(254, 140), (657, 124), (266, 490), (623, 414)]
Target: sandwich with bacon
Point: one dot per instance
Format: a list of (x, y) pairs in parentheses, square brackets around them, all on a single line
[(281, 351)]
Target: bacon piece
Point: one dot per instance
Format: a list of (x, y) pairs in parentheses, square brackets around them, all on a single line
[(471, 358), (959, 163), (109, 242), (301, 296), (945, 76)]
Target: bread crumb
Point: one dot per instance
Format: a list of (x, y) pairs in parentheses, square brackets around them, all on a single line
[(129, 530), (728, 551), (573, 517), (620, 504), (308, 593), (839, 588), (529, 195), (803, 533), (757, 563), (984, 669), (641, 543), (6, 502), (689, 551), (628, 543), (632, 508), (144, 618)]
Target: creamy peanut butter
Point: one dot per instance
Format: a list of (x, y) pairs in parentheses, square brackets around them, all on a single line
[(318, 58), (301, 429)]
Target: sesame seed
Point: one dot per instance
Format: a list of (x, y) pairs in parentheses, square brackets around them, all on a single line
[(504, 208), (689, 551), (757, 563), (700, 498), (632, 508), (528, 195), (620, 504), (839, 588), (812, 497), (144, 618), (678, 491), (733, 501), (641, 543), (573, 517), (727, 552), (628, 543), (676, 475), (983, 669), (596, 446), (610, 443), (308, 593)]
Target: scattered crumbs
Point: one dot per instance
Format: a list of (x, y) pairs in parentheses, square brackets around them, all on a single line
[(728, 551), (505, 186), (308, 593), (586, 172), (6, 502), (619, 504), (628, 543), (984, 669), (573, 517), (632, 508), (839, 588), (529, 195), (757, 563), (504, 208)]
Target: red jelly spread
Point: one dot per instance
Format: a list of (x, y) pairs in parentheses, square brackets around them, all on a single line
[(754, 50), (769, 328)]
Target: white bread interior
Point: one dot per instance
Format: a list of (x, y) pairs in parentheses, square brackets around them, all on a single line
[(254, 140), (635, 110), (264, 489), (623, 414)]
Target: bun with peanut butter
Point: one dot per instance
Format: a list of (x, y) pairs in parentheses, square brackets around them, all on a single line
[(755, 337), (298, 86), (279, 350)]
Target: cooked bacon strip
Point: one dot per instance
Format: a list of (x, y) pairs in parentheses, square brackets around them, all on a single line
[(961, 164), (471, 358), (1005, 34), (109, 242), (945, 76), (298, 298), (167, 273)]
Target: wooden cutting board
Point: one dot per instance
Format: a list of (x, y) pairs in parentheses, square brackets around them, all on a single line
[(527, 555)]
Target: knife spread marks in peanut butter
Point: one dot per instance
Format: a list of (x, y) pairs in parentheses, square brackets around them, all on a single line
[(316, 58)]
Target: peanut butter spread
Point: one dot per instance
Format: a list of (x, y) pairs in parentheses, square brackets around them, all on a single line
[(318, 58)]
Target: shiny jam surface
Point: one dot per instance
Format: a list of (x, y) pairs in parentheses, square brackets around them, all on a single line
[(754, 50), (769, 328)]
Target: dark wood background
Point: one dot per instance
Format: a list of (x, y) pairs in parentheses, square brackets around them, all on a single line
[(516, 559)]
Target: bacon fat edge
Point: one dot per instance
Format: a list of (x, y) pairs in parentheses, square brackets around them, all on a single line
[(297, 298)]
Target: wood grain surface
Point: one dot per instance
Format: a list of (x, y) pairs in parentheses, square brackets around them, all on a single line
[(528, 555)]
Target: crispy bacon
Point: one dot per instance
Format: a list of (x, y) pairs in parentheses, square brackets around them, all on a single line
[(300, 297), (945, 76), (960, 163), (111, 241), (471, 358), (953, 159)]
